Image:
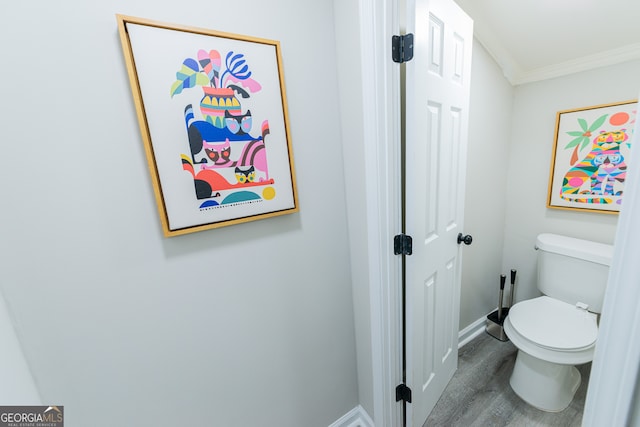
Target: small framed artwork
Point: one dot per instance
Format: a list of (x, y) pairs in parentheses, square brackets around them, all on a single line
[(212, 112), (588, 167)]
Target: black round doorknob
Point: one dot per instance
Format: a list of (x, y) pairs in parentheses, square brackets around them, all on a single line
[(465, 239)]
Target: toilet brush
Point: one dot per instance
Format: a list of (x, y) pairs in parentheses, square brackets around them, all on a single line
[(513, 282), (503, 278)]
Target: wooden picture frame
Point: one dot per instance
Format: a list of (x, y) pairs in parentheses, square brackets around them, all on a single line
[(212, 111), (588, 166)]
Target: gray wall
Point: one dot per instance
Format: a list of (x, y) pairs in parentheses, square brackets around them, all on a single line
[(511, 137), (486, 186), (110, 314), (634, 416), (16, 382), (532, 136), (347, 26), (245, 325)]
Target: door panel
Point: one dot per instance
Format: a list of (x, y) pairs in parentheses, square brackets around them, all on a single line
[(437, 102)]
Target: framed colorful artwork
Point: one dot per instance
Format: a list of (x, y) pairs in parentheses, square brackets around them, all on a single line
[(588, 167), (212, 112)]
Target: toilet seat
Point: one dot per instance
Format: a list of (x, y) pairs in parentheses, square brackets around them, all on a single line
[(553, 324)]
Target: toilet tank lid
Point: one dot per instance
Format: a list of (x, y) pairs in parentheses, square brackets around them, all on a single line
[(600, 253)]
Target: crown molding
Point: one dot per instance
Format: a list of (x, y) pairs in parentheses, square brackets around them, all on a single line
[(611, 57), (516, 76), (510, 69)]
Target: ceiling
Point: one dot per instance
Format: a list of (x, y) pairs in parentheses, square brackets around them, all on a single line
[(538, 39)]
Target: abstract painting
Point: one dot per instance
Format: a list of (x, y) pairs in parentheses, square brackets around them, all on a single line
[(588, 167), (212, 112)]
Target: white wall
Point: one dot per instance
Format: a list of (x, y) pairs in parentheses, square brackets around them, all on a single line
[(245, 325), (485, 199), (532, 135)]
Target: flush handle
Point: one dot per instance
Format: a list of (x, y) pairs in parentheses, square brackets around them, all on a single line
[(466, 239)]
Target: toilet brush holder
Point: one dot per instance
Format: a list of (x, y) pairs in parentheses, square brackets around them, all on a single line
[(495, 325), (495, 320)]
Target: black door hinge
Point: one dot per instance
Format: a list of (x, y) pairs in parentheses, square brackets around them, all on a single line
[(403, 393), (402, 245), (402, 48)]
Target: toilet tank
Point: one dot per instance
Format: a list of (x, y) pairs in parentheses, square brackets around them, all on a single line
[(573, 270)]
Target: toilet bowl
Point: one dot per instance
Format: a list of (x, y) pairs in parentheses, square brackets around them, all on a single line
[(558, 330), (552, 336)]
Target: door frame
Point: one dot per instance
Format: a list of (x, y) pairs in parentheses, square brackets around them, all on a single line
[(379, 21), (382, 104), (610, 397)]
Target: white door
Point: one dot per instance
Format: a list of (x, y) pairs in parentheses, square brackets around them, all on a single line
[(437, 110)]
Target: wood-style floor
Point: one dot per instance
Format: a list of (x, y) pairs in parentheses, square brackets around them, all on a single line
[(480, 395)]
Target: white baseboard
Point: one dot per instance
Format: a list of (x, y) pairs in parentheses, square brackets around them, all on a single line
[(472, 331), (357, 417)]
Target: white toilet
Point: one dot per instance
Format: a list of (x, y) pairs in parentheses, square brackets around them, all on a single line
[(558, 330)]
